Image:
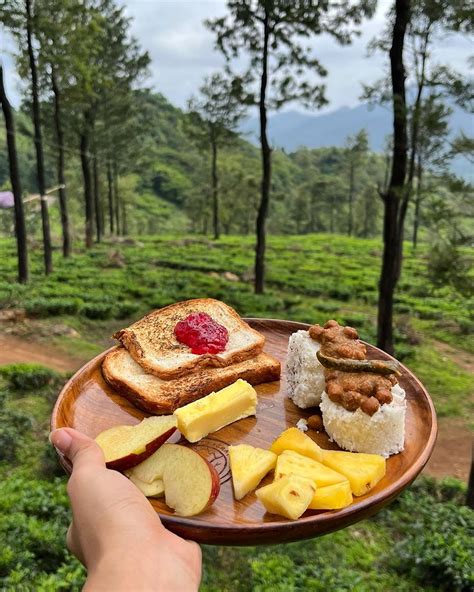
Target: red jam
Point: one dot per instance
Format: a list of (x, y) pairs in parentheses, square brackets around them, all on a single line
[(202, 334)]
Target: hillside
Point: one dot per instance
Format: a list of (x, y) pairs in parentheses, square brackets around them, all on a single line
[(291, 130)]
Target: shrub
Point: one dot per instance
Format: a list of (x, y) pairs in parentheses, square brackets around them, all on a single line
[(27, 377), (13, 427), (436, 543), (45, 307), (97, 311), (124, 310)]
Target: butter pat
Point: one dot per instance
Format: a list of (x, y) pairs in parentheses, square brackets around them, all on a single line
[(213, 412)]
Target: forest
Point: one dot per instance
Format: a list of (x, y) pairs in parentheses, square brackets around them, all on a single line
[(113, 202)]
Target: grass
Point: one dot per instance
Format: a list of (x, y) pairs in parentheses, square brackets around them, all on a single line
[(421, 542), (309, 278)]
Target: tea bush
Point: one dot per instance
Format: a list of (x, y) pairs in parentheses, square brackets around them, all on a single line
[(26, 377), (436, 545)]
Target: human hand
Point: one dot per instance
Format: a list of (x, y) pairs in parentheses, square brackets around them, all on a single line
[(115, 532)]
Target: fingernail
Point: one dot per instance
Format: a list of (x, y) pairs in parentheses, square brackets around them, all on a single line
[(61, 439)]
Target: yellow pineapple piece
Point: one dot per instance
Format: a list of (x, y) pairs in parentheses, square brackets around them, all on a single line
[(292, 462), (332, 497), (295, 439), (289, 496), (364, 471), (249, 465)]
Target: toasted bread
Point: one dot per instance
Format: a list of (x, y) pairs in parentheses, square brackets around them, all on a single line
[(158, 396), (152, 343)]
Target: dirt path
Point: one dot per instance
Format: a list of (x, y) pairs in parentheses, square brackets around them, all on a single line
[(451, 456), (463, 359), (15, 350), (452, 453)]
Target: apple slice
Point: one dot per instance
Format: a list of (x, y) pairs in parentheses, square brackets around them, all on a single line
[(154, 489), (126, 446), (191, 483)]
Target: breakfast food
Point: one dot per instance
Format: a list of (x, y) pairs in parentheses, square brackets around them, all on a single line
[(213, 412), (152, 394), (363, 407), (332, 497), (125, 446), (363, 471), (154, 489), (289, 496), (190, 483), (382, 433), (249, 466), (291, 462), (304, 372), (163, 342), (294, 439)]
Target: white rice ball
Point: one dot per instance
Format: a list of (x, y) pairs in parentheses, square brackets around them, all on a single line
[(304, 373), (382, 433)]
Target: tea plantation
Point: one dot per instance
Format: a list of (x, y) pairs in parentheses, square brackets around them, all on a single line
[(423, 541)]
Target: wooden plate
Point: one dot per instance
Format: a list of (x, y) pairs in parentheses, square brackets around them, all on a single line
[(88, 404)]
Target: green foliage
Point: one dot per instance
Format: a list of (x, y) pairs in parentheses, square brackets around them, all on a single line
[(27, 377), (436, 547), (13, 425), (34, 516), (400, 549)]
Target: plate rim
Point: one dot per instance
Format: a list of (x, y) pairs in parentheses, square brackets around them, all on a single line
[(308, 526)]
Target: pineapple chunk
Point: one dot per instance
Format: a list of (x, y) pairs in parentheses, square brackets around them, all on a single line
[(288, 497), (295, 439), (292, 462), (364, 471), (332, 497), (249, 465)]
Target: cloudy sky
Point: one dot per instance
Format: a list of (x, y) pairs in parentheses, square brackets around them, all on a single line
[(182, 51)]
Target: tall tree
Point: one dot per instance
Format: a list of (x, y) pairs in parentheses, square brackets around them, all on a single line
[(21, 19), (356, 151), (433, 155), (415, 26), (108, 66), (58, 35), (270, 32), (395, 196), (20, 228), (215, 114)]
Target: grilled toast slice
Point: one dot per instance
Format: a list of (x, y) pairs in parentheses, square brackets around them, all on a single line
[(158, 396), (152, 343)]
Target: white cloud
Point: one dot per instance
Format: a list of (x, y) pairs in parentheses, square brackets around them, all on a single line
[(182, 50)]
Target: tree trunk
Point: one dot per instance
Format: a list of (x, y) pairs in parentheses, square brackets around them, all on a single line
[(470, 484), (350, 223), (98, 216), (110, 195), (266, 169), (393, 217), (20, 228), (215, 194), (60, 168), (124, 218), (86, 174), (367, 207), (416, 219), (48, 260), (117, 200)]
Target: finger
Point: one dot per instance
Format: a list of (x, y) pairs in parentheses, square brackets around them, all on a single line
[(79, 448)]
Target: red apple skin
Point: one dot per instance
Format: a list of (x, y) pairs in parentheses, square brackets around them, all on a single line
[(129, 461), (215, 487)]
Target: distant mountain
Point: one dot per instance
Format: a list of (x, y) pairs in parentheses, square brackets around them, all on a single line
[(291, 130)]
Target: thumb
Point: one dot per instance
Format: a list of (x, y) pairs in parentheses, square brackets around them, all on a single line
[(79, 448)]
